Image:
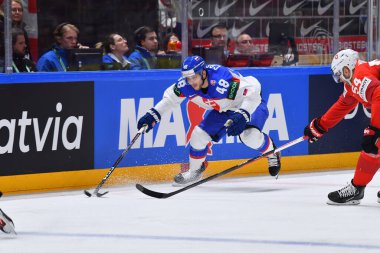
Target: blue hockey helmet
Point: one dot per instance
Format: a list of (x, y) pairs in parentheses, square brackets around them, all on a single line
[(192, 65)]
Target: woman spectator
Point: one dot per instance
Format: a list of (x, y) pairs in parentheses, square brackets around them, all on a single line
[(66, 38), (172, 44), (171, 58), (17, 11), (115, 47), (20, 62)]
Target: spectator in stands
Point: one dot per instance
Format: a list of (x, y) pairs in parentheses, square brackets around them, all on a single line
[(172, 44), (219, 38), (66, 38), (282, 44), (171, 58), (115, 46), (144, 56), (17, 11), (169, 14), (20, 62), (244, 44)]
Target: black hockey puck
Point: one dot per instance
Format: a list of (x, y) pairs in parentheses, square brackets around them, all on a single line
[(88, 194)]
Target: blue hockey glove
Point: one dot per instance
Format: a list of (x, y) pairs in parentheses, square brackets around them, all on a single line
[(371, 140), (239, 119), (151, 118)]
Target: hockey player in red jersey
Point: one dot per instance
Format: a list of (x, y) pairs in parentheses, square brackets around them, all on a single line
[(361, 85)]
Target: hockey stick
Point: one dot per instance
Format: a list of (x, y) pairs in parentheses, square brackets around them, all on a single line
[(96, 191), (161, 195)]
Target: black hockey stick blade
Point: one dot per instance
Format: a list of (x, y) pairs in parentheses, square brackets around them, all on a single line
[(157, 195), (100, 185), (161, 195), (98, 194)]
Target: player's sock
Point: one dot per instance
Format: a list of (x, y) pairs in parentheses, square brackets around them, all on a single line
[(366, 168)]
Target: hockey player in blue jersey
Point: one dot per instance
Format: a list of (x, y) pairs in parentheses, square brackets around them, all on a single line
[(228, 96)]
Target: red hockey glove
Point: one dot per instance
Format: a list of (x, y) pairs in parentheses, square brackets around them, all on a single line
[(314, 131), (370, 141)]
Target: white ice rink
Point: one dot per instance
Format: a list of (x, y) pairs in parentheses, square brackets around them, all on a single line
[(257, 214)]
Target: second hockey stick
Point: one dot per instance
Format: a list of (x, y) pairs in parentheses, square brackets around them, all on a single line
[(161, 195), (96, 191)]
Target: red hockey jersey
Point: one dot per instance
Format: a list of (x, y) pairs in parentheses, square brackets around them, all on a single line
[(365, 81)]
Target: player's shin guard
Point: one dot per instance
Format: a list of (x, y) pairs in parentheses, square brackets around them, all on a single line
[(6, 223), (366, 168)]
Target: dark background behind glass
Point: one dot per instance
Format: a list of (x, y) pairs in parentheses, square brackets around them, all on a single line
[(95, 19)]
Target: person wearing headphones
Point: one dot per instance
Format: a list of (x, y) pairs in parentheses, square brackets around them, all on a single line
[(66, 38)]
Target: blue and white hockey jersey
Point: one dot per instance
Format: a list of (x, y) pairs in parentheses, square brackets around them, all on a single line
[(227, 90)]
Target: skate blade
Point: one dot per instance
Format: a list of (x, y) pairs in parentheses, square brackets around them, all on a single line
[(9, 230), (175, 184), (349, 203)]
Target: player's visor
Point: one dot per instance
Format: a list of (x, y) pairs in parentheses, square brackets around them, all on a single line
[(336, 76), (188, 73)]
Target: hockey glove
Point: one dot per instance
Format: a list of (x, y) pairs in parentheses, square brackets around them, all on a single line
[(239, 119), (150, 119), (370, 141), (314, 131)]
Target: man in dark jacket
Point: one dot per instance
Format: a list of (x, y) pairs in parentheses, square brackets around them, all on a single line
[(144, 56), (20, 62)]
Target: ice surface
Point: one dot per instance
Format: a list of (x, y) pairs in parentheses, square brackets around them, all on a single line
[(258, 214)]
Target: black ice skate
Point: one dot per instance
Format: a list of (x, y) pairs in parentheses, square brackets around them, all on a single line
[(188, 177), (348, 195), (274, 163), (6, 224)]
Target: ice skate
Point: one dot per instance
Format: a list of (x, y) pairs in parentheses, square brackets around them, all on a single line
[(6, 224), (348, 195), (378, 196), (188, 177), (274, 163)]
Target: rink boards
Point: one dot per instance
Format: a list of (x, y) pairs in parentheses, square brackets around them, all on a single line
[(64, 130)]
